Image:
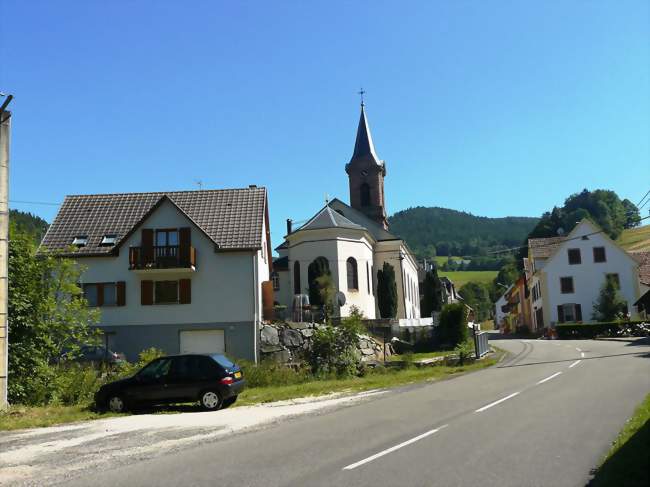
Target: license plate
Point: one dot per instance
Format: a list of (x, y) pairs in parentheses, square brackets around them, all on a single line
[(237, 375)]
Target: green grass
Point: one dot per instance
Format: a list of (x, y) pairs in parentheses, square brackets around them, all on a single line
[(463, 277), (19, 417), (635, 238), (627, 462), (422, 355), (442, 259)]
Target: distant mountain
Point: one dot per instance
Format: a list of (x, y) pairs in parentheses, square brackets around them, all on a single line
[(451, 232), (28, 223)]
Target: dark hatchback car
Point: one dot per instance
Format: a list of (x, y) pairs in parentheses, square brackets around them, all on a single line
[(211, 379)]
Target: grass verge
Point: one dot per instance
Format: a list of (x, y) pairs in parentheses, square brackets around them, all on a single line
[(421, 356), (627, 462), (20, 417)]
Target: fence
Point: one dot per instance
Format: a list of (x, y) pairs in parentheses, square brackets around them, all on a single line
[(481, 345)]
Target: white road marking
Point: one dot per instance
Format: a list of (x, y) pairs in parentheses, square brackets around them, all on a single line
[(480, 410), (549, 378), (574, 363), (578, 349), (582, 354), (393, 448)]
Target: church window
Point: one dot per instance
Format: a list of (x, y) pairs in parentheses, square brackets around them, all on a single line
[(365, 194), (275, 278), (368, 277), (353, 275), (296, 277)]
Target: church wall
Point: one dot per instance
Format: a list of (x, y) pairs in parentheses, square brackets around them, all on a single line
[(362, 252)]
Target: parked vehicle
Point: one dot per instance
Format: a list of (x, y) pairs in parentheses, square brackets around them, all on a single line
[(211, 379), (94, 354)]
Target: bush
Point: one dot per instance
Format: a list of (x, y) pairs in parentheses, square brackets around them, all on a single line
[(465, 352), (269, 373), (592, 330), (453, 324), (334, 348)]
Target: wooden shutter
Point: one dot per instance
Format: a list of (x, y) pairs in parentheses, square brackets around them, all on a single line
[(120, 291), (146, 293), (147, 246), (185, 291), (184, 243), (560, 313), (578, 311)]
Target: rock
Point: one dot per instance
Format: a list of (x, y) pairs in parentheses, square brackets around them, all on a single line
[(367, 351), (307, 332), (298, 326), (400, 346), (291, 338), (269, 335), (270, 348), (281, 356)]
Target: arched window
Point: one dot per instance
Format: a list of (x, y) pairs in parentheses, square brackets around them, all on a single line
[(353, 275), (365, 194), (296, 277), (368, 277)]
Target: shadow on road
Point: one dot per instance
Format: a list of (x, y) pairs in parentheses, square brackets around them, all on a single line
[(638, 354)]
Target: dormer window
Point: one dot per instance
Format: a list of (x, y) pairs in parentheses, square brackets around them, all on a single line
[(108, 240), (80, 240)]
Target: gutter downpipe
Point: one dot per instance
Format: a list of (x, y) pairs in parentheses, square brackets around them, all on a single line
[(256, 329)]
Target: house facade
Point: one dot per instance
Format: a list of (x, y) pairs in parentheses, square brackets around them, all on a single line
[(179, 271), (567, 273), (352, 242)]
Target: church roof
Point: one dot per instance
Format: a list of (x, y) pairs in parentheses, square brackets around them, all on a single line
[(374, 228), (363, 146), (328, 218)]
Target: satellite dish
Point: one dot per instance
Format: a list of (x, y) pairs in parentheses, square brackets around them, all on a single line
[(340, 298), (560, 231)]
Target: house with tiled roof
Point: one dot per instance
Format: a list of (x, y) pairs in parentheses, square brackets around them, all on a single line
[(351, 243), (565, 274), (181, 271)]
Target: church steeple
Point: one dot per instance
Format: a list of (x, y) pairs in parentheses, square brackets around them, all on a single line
[(366, 173)]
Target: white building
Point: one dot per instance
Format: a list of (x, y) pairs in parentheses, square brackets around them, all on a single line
[(567, 274), (352, 242), (180, 271)]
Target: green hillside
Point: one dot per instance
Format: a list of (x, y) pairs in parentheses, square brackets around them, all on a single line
[(451, 232), (463, 277), (28, 223)]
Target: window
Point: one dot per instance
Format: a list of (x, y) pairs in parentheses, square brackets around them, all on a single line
[(599, 254), (275, 279), (368, 276), (566, 285), (570, 312), (166, 292), (167, 238), (372, 279), (101, 294), (574, 256), (296, 278), (615, 278), (108, 240), (353, 275), (80, 240), (365, 194), (156, 370)]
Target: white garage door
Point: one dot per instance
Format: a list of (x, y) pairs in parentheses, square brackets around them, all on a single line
[(202, 341)]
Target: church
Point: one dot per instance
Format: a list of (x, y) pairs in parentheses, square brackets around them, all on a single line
[(351, 242)]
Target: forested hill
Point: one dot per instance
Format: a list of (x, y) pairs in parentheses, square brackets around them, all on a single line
[(452, 232), (28, 223)]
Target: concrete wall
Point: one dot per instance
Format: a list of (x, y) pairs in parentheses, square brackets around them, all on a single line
[(225, 290), (588, 277), (406, 276)]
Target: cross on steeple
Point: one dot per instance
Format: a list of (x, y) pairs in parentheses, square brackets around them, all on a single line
[(361, 92)]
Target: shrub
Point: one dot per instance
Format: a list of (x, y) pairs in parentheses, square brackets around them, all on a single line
[(465, 352), (334, 348), (592, 330), (453, 324), (269, 373)]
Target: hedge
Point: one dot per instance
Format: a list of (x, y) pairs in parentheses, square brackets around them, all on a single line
[(608, 329)]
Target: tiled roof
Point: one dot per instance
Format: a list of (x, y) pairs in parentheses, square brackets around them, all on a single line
[(328, 218), (644, 266), (359, 218), (231, 218), (542, 248)]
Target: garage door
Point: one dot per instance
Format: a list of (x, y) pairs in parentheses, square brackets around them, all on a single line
[(202, 341)]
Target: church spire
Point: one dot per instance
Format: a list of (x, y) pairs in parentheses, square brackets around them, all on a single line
[(363, 146)]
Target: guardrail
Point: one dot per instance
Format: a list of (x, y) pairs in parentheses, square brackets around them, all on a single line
[(481, 345)]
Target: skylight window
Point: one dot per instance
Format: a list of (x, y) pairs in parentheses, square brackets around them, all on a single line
[(108, 240), (80, 240)]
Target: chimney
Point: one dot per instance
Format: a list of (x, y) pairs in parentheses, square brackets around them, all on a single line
[(289, 222)]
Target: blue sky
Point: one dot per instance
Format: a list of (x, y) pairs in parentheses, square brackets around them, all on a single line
[(493, 107)]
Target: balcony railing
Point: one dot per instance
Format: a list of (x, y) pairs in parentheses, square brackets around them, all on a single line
[(162, 257)]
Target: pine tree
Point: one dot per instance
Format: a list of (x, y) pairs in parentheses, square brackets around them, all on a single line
[(432, 290), (387, 291), (610, 305)]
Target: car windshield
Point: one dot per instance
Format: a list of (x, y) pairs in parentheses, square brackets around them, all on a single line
[(222, 360)]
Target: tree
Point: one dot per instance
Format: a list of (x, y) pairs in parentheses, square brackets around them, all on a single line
[(326, 292), (632, 216), (477, 296), (387, 291), (610, 305), (47, 314), (433, 293), (319, 267), (453, 324)]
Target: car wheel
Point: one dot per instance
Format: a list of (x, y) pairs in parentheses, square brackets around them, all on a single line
[(229, 402), (211, 400), (116, 404)]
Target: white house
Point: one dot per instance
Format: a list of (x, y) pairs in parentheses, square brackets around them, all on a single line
[(352, 241), (567, 274), (180, 271)]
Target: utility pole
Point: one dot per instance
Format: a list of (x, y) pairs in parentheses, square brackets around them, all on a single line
[(5, 132)]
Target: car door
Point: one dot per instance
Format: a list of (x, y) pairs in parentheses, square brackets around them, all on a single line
[(151, 382), (185, 378)]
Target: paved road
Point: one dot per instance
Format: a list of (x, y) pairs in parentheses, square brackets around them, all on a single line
[(544, 417)]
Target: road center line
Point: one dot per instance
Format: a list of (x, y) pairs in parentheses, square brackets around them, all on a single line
[(393, 448), (480, 410), (549, 378), (582, 354), (578, 349), (574, 363)]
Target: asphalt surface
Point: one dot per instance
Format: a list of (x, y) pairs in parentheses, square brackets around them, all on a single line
[(540, 418)]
